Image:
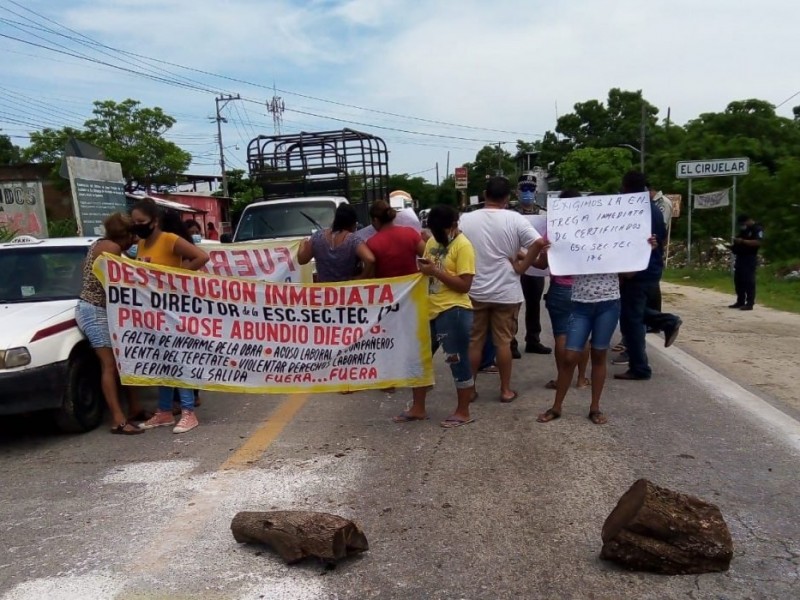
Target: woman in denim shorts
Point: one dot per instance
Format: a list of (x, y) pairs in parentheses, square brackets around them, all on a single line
[(93, 321), (449, 262), (595, 314), (558, 302)]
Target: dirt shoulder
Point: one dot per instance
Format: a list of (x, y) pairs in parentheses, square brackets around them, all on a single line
[(758, 349)]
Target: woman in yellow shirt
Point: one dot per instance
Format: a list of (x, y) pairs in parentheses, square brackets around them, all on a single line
[(168, 249), (449, 262)]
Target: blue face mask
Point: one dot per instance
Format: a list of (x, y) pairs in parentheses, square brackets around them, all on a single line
[(526, 197), (197, 238), (133, 251)]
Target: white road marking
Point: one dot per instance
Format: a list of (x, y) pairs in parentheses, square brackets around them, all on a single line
[(726, 391)]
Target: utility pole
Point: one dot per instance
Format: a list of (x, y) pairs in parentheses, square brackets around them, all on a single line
[(221, 102), (437, 174), (447, 171)]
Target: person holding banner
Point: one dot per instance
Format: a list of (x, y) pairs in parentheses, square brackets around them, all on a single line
[(449, 262), (162, 248), (339, 254), (92, 320)]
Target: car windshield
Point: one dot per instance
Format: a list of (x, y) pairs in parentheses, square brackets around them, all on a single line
[(41, 274), (290, 219)]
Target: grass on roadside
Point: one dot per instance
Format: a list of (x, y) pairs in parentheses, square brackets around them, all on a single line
[(771, 290)]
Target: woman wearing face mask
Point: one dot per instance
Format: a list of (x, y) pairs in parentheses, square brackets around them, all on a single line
[(449, 261), (93, 321), (194, 230), (163, 248)]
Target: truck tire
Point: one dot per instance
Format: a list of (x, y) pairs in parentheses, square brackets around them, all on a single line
[(83, 403)]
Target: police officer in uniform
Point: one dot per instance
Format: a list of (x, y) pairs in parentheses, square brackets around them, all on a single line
[(745, 251), (532, 285)]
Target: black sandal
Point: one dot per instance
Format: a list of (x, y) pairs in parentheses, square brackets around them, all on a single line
[(121, 429)]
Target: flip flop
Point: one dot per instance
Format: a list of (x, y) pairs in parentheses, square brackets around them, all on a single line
[(597, 417), (452, 422), (121, 429), (548, 415), (492, 370), (404, 417), (508, 400)]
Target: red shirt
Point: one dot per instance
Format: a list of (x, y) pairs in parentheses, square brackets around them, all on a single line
[(395, 250)]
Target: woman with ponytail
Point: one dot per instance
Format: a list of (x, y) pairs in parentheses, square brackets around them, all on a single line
[(449, 262), (396, 248)]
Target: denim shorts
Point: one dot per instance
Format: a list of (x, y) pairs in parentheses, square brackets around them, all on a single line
[(596, 319), (93, 322), (451, 330), (558, 302)]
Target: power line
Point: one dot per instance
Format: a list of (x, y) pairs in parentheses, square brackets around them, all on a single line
[(275, 89), (787, 100)]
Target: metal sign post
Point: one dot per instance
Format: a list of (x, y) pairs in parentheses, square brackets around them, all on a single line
[(718, 167)]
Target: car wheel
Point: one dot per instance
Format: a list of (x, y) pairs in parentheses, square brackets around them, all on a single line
[(82, 407)]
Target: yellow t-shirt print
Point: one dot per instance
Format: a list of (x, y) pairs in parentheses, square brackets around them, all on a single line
[(457, 259)]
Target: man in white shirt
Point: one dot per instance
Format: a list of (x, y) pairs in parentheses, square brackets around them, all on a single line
[(498, 235)]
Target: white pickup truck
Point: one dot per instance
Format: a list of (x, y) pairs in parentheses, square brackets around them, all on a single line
[(287, 218)]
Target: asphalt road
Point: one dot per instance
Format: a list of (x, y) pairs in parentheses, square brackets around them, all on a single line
[(502, 508)]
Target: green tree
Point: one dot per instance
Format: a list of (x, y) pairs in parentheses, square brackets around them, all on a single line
[(594, 169), (9, 153), (128, 134), (423, 192), (489, 161)]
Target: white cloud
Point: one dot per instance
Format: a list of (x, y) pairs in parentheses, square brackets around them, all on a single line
[(500, 65)]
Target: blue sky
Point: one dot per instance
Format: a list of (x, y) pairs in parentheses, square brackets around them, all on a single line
[(499, 69)]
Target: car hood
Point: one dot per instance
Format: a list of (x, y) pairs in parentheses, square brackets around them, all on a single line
[(20, 321)]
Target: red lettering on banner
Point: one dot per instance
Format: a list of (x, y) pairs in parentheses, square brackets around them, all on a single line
[(289, 378), (142, 319), (268, 267), (353, 373), (295, 295), (243, 263), (203, 326), (336, 336), (114, 271), (287, 257), (218, 261)]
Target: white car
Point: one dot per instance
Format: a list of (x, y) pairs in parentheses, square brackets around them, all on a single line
[(289, 218), (45, 361)]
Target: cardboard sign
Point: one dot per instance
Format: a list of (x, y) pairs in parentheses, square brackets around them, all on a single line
[(599, 234)]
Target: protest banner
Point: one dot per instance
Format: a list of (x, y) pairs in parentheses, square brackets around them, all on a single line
[(188, 329), (273, 260), (539, 223), (599, 234)]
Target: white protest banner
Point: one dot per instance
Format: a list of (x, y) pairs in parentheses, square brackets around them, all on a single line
[(712, 199), (184, 329), (539, 223), (599, 234), (274, 260)]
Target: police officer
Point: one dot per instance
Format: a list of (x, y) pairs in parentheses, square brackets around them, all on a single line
[(745, 251), (532, 285)]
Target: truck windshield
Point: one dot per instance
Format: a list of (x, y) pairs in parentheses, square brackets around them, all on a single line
[(289, 219), (41, 274)]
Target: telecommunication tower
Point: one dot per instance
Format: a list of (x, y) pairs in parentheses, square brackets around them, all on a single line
[(276, 107)]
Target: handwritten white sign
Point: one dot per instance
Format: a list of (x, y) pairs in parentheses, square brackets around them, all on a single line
[(599, 234)]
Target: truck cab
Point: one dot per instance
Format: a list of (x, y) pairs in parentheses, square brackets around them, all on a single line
[(287, 218)]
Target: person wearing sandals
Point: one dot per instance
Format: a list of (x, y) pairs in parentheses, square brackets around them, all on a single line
[(449, 262), (595, 313), (162, 248), (558, 302), (92, 320)]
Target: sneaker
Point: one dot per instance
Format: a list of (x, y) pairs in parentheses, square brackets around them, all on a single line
[(672, 333), (736, 305), (621, 359), (187, 423), (162, 418)]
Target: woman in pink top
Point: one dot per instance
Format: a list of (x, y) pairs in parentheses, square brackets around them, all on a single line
[(558, 302)]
